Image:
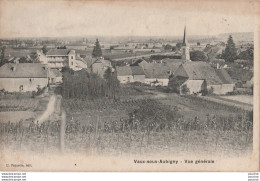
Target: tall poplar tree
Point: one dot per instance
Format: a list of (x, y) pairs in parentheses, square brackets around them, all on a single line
[(230, 52), (97, 52)]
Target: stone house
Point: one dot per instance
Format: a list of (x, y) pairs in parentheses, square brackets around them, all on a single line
[(22, 77)]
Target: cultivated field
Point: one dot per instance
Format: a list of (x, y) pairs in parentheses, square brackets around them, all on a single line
[(138, 126), (14, 109)]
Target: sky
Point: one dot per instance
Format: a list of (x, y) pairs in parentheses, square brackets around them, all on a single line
[(44, 18)]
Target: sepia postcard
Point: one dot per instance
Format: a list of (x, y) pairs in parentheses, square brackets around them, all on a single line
[(129, 85)]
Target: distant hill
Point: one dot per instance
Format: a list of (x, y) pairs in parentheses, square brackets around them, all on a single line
[(239, 36)]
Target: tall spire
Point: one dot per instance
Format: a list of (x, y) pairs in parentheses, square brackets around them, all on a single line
[(185, 47), (185, 41)]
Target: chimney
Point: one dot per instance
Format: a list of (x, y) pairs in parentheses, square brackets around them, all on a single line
[(217, 65)]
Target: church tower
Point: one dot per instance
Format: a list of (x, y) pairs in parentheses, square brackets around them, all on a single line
[(185, 48)]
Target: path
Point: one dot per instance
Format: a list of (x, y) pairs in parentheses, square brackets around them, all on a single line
[(49, 111)]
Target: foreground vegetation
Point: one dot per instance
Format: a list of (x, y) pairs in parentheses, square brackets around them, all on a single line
[(133, 127)]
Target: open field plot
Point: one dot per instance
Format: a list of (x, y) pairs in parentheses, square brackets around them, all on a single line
[(14, 110), (19, 52), (248, 99), (30, 104), (120, 54)]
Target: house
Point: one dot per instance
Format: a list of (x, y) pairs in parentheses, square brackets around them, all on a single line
[(54, 76), (200, 76), (100, 65), (124, 74), (59, 58), (22, 77), (127, 74), (138, 74), (156, 74)]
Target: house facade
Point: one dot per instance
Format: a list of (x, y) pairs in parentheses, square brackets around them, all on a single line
[(100, 65), (59, 58), (128, 74), (23, 77)]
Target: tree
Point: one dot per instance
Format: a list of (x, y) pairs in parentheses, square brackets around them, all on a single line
[(3, 59), (34, 57), (24, 60), (248, 54), (44, 49), (185, 90), (62, 47), (230, 52), (198, 56), (97, 52), (168, 47), (178, 45)]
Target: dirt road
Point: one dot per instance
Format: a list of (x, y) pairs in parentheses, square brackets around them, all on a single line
[(49, 110)]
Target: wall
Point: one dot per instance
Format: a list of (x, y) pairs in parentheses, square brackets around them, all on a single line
[(195, 86), (227, 88), (139, 78), (222, 88), (99, 69), (13, 84), (55, 80), (124, 79), (162, 82)]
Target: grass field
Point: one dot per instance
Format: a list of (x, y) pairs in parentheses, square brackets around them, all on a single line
[(241, 98)]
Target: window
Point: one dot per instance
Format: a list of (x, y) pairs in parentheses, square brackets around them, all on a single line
[(71, 57), (128, 79), (21, 88), (71, 63)]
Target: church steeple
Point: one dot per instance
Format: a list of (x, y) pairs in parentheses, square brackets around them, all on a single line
[(185, 47), (185, 41)]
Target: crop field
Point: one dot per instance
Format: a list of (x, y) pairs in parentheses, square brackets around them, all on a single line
[(14, 110), (20, 105), (134, 127)]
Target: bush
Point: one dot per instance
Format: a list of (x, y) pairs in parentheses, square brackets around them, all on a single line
[(210, 91)]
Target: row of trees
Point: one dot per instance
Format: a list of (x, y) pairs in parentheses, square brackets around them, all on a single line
[(84, 85)]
